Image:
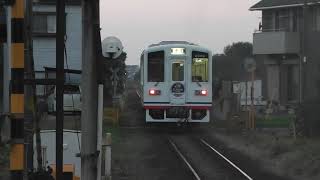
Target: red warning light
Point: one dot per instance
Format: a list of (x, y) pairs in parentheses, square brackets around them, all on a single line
[(152, 92), (204, 92)]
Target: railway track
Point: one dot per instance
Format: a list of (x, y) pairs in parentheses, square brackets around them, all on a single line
[(227, 160), (204, 161)]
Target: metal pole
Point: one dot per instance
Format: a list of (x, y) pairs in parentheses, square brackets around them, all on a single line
[(302, 52), (90, 90), (61, 24), (99, 130), (252, 100), (115, 87), (246, 110)]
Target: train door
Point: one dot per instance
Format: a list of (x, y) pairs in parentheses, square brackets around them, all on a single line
[(177, 83)]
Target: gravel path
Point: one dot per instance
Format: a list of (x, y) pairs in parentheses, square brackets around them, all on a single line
[(142, 154)]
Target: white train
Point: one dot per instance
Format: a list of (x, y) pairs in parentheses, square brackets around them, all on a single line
[(176, 82)]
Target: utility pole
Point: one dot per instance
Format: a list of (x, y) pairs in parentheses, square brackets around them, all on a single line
[(30, 92), (90, 25), (61, 24), (32, 113)]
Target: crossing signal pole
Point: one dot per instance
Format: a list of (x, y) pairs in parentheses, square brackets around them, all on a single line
[(16, 57)]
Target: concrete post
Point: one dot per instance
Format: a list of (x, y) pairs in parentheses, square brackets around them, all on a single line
[(99, 130), (107, 145), (90, 92)]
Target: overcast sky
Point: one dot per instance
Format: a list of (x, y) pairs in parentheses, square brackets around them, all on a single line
[(210, 23)]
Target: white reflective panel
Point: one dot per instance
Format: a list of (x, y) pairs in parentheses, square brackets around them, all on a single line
[(178, 51)]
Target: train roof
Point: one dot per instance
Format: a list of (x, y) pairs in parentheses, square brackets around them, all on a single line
[(172, 42), (164, 44)]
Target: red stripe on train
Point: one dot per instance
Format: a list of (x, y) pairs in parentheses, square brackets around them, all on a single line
[(167, 107)]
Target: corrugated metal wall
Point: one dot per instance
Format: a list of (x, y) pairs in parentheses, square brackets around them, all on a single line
[(44, 47)]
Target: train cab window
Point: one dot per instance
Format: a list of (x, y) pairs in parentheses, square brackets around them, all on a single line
[(156, 66), (178, 71), (200, 67)]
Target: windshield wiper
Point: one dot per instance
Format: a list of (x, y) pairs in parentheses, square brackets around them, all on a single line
[(198, 83)]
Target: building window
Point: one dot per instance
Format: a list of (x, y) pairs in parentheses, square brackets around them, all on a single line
[(316, 18), (200, 66), (178, 71), (277, 21), (156, 66), (294, 20), (293, 83), (44, 24), (282, 20), (267, 21)]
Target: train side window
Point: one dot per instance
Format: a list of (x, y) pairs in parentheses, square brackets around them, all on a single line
[(200, 67), (156, 66)]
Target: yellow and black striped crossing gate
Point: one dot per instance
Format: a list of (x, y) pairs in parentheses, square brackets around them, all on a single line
[(17, 159)]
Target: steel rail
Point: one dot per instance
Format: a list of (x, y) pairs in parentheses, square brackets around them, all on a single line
[(185, 160), (226, 159)]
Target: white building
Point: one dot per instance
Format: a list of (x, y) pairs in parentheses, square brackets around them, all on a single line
[(44, 33)]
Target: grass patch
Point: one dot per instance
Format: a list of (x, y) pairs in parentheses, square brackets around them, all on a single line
[(274, 122)]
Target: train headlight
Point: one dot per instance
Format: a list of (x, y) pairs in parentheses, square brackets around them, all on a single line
[(201, 92), (153, 92)]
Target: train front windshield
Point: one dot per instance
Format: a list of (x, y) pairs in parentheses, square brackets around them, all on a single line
[(200, 65), (156, 66), (178, 71)]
